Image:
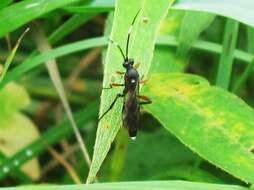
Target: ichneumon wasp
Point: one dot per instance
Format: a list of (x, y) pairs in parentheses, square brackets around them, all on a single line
[(132, 99)]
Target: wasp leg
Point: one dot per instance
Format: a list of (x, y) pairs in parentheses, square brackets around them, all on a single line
[(145, 100), (111, 106), (136, 66), (120, 72), (112, 85), (143, 81)]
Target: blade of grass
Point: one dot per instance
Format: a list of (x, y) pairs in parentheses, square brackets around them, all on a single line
[(247, 72), (64, 162), (18, 14), (189, 173), (92, 6), (119, 154), (21, 13), (227, 56), (138, 185), (250, 32), (193, 24), (4, 3), (55, 77), (50, 137), (37, 60), (11, 56), (17, 174), (69, 26), (32, 62)]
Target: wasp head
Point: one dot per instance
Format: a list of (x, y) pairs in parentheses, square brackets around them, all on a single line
[(128, 63)]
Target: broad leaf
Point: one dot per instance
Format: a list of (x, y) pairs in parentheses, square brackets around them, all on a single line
[(212, 122), (16, 130)]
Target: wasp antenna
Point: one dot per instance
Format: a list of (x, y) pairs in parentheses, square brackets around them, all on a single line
[(129, 33), (118, 46)]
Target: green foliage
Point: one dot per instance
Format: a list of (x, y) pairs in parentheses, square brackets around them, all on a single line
[(199, 117), (50, 137), (226, 60), (4, 3), (191, 129), (34, 61), (153, 185), (193, 24), (18, 14), (11, 56)]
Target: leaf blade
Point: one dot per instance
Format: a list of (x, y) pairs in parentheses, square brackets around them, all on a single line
[(143, 36), (199, 117)]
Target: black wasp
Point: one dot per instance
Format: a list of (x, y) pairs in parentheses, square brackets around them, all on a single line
[(132, 99)]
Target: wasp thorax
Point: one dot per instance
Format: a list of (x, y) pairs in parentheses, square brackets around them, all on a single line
[(132, 75)]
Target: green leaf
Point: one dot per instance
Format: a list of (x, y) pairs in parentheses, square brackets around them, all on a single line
[(92, 6), (13, 122), (250, 32), (141, 49), (164, 59), (11, 101), (32, 62), (242, 79), (18, 14), (193, 24), (212, 122), (4, 3), (11, 56), (227, 56), (189, 173), (223, 8), (151, 185), (69, 26), (35, 61), (171, 153), (227, 8)]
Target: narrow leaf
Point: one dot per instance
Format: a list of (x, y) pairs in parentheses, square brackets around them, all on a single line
[(20, 13), (226, 59), (192, 25), (151, 185), (141, 49), (11, 56)]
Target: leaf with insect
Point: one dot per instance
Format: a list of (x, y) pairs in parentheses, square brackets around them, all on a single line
[(211, 121), (141, 49)]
